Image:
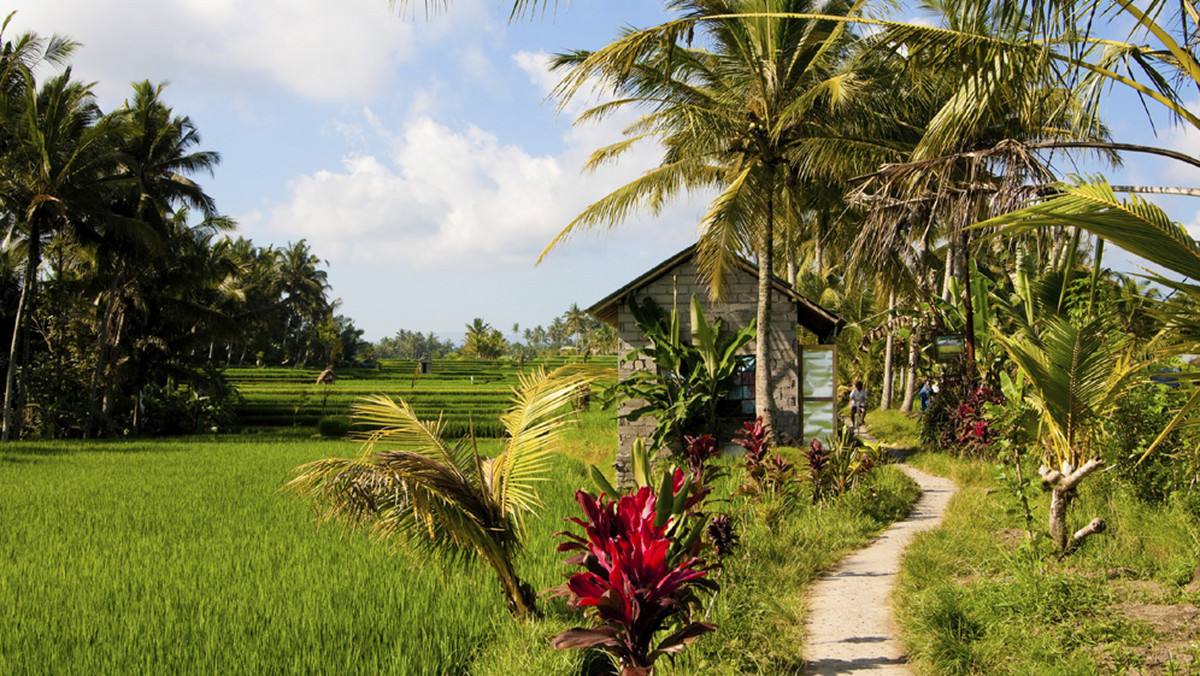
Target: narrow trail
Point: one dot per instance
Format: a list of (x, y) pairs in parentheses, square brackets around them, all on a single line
[(849, 628)]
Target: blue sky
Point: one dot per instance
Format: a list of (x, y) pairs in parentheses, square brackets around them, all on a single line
[(416, 155)]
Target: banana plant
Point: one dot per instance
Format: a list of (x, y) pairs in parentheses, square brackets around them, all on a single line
[(412, 486), (689, 379)]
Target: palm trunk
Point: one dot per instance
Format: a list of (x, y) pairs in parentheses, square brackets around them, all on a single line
[(968, 309), (910, 390), (948, 274), (1062, 485), (885, 397), (102, 352), (24, 307), (10, 381), (764, 403), (518, 595), (110, 389)]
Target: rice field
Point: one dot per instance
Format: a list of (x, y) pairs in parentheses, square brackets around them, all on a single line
[(180, 557), (465, 392)]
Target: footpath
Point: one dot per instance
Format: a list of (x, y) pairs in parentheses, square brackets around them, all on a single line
[(849, 627)]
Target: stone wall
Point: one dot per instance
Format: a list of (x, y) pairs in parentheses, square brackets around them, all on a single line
[(674, 289)]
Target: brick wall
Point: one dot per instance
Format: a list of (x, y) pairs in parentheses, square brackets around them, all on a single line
[(674, 289)]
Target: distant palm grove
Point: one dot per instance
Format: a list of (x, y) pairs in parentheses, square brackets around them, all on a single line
[(119, 285)]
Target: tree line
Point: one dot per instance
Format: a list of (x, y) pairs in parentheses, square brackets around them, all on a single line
[(573, 331), (121, 287)]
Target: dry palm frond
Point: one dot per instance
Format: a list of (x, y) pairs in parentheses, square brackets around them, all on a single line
[(415, 488)]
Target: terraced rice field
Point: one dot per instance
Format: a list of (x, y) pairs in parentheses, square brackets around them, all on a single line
[(464, 392)]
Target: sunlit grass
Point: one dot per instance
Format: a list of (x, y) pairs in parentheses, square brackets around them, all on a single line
[(895, 428), (181, 556), (977, 596)]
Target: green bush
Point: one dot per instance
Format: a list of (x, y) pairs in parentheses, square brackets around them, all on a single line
[(1142, 414), (334, 426)]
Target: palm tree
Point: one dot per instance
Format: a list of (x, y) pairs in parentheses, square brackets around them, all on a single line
[(1074, 376), (19, 57), (156, 153), (576, 320), (303, 285), (740, 114), (60, 151), (483, 341), (413, 485)]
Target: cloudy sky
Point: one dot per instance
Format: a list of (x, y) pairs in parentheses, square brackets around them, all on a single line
[(416, 155)]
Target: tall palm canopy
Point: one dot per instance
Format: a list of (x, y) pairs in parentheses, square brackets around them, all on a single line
[(739, 94)]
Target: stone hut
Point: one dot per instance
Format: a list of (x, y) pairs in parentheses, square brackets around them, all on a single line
[(671, 284)]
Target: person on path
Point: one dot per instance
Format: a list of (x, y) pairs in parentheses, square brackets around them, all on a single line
[(858, 405), (925, 393)]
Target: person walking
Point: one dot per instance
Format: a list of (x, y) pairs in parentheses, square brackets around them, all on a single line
[(858, 405)]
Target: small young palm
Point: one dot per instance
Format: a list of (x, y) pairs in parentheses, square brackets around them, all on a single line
[(1074, 375), (412, 486)]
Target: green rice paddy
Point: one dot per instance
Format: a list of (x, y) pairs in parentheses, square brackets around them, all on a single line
[(465, 392), (180, 556)]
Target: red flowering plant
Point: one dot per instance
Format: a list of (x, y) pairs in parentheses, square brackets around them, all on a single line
[(841, 466), (764, 474), (700, 450), (972, 427), (636, 581)]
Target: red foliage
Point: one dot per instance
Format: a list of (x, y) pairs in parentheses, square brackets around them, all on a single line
[(630, 583)]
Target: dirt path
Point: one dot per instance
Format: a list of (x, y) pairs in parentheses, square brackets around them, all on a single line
[(849, 628)]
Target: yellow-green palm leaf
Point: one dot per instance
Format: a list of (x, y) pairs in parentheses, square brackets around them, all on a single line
[(1075, 374), (1134, 224)]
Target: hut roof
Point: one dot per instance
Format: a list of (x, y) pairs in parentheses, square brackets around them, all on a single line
[(822, 322)]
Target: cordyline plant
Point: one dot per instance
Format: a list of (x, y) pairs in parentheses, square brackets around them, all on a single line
[(412, 486), (764, 474), (637, 581), (841, 466)]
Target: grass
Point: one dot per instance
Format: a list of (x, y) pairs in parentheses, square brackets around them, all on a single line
[(180, 556), (978, 596), (467, 392), (899, 429)]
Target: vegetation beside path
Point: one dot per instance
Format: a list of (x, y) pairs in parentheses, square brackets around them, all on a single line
[(179, 555), (979, 595)]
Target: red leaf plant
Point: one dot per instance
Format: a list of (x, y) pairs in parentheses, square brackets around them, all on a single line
[(699, 451), (764, 474), (630, 585)]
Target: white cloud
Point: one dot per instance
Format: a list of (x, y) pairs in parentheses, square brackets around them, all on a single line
[(444, 196), (441, 196), (320, 50)]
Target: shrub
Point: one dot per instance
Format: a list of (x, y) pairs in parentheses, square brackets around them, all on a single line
[(764, 474), (636, 582), (334, 426), (836, 470), (1139, 418), (957, 420)]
